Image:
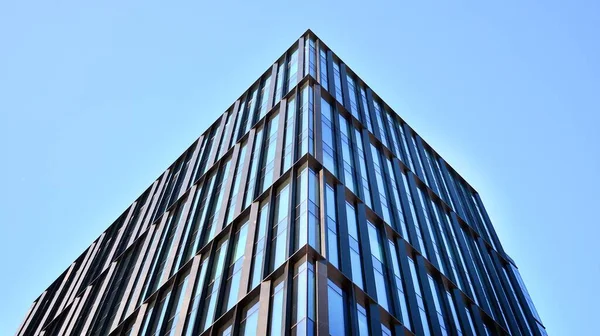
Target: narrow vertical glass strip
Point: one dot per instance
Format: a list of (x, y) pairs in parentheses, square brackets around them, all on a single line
[(327, 133), (332, 230)]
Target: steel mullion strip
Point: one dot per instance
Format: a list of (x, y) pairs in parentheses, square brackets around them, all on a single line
[(343, 236), (423, 278), (115, 244), (278, 161), (97, 304), (271, 93), (263, 310), (156, 198), (301, 60), (246, 169), (226, 189), (322, 214), (366, 139), (523, 301), (500, 293), (77, 314), (365, 250), (216, 142), (190, 170), (69, 316), (331, 77), (477, 319), (414, 190), (426, 165), (461, 312), (31, 314), (469, 263), (181, 225), (73, 289), (512, 300), (345, 90), (142, 215), (150, 255), (228, 135), (248, 250), (322, 305), (374, 119), (488, 223), (458, 207), (134, 276), (139, 319), (409, 288), (395, 310), (189, 291), (318, 137), (56, 296)]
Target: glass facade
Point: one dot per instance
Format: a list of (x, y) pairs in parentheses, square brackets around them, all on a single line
[(309, 207)]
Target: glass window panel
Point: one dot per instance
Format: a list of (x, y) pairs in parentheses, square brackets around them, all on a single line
[(336, 310), (323, 68), (355, 258), (332, 230), (363, 323), (280, 226), (277, 314)]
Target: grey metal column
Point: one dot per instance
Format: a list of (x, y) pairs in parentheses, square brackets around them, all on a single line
[(488, 223), (278, 161), (263, 310), (51, 309), (426, 165), (301, 60), (371, 173), (413, 151), (226, 189), (190, 169), (507, 290), (318, 125), (365, 249), (345, 90), (151, 254), (523, 301), (215, 144), (409, 288), (374, 121), (248, 250), (322, 302), (410, 224), (181, 225), (97, 302), (343, 236), (82, 303), (246, 168), (462, 313), (494, 276), (414, 190), (189, 291), (271, 93), (469, 263), (422, 275)]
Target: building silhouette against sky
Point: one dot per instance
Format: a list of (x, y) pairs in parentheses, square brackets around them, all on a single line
[(308, 208)]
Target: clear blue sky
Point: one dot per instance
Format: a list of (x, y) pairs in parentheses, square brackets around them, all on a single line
[(96, 100)]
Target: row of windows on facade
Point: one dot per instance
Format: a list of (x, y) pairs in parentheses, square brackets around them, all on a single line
[(218, 140), (403, 143), (306, 231), (175, 178)]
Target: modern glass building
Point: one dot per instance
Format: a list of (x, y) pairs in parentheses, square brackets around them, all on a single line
[(308, 208)]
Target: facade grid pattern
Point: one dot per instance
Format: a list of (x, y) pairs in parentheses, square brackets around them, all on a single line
[(308, 208)]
